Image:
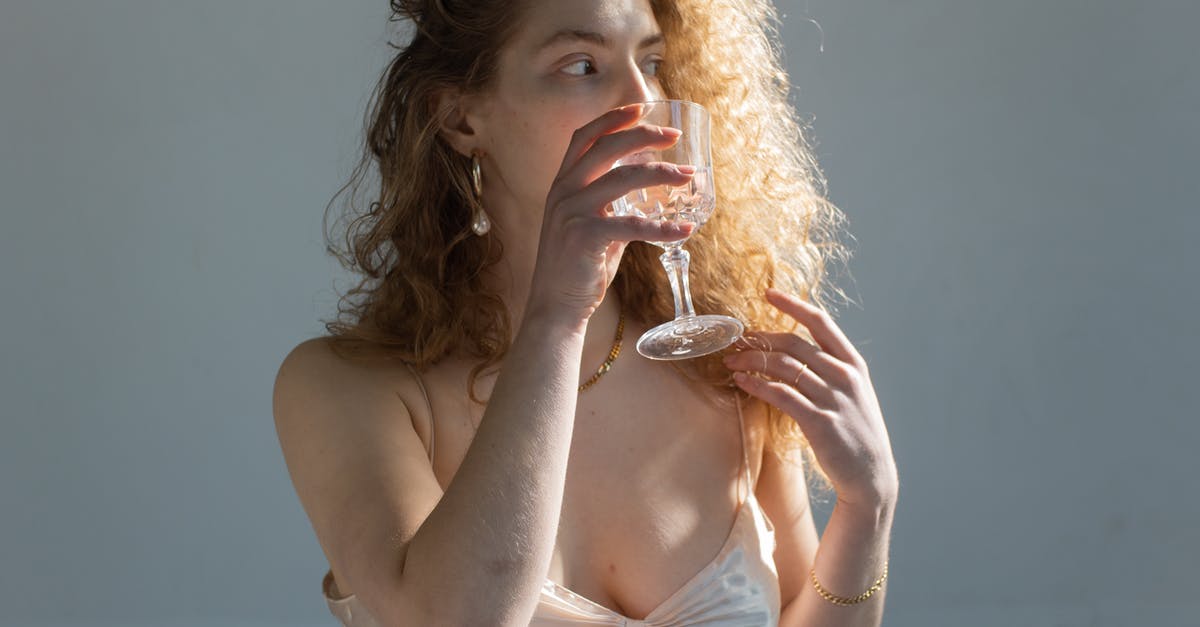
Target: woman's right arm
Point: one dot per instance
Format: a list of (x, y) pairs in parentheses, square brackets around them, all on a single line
[(478, 554), (412, 555)]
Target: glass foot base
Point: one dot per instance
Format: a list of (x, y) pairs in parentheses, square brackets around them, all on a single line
[(689, 336)]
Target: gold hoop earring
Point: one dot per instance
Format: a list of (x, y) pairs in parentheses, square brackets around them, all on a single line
[(480, 223)]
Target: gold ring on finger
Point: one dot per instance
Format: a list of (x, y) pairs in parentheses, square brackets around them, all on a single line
[(803, 367)]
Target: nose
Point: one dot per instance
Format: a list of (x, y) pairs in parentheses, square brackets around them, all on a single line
[(636, 87)]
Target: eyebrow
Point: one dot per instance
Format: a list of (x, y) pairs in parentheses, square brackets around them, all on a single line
[(575, 34)]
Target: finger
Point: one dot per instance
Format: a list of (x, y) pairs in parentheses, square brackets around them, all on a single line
[(782, 367), (608, 148), (825, 365), (584, 136), (634, 228), (824, 330), (625, 178), (783, 396)]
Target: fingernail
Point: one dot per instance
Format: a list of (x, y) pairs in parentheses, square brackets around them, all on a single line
[(668, 131), (635, 107), (680, 229), (686, 169)]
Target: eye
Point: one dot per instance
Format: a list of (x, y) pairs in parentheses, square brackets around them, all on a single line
[(581, 67), (653, 66)]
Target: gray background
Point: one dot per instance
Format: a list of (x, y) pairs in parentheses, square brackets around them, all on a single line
[(1021, 178)]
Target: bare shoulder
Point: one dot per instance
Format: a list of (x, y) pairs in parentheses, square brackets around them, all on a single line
[(317, 357), (357, 465), (317, 390)]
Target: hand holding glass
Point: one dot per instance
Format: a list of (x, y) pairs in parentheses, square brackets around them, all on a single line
[(689, 334)]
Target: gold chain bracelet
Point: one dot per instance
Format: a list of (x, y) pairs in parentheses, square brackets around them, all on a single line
[(837, 600)]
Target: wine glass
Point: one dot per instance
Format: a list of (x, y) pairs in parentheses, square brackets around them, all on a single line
[(688, 335)]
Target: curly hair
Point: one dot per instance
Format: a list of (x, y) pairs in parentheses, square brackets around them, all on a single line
[(422, 294)]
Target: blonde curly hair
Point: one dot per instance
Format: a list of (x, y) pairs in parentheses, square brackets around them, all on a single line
[(421, 295)]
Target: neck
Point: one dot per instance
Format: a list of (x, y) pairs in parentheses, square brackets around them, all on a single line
[(518, 262), (601, 331)]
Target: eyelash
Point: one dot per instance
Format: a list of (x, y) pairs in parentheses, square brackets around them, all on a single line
[(575, 63), (657, 66)]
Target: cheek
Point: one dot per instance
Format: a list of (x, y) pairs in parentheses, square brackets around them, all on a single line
[(532, 147), (554, 128)]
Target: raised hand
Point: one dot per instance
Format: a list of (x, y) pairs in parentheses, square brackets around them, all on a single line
[(827, 390), (581, 242)]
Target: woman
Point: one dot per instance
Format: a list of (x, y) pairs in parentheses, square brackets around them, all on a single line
[(476, 444)]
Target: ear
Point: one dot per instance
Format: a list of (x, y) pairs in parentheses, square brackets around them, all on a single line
[(460, 125)]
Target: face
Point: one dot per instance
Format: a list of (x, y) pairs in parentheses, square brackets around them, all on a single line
[(569, 62)]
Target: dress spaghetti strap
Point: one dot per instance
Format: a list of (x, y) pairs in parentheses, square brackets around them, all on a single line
[(429, 408), (745, 455)]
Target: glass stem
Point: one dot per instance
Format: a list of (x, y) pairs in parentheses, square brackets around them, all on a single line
[(675, 260)]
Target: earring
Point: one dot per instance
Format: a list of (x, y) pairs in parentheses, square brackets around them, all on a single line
[(480, 223)]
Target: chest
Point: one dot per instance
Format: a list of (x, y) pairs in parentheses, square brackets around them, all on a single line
[(654, 481)]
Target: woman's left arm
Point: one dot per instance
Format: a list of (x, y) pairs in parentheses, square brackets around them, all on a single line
[(849, 562), (826, 389)]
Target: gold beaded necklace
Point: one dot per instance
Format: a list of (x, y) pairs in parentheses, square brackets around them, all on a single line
[(612, 355)]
